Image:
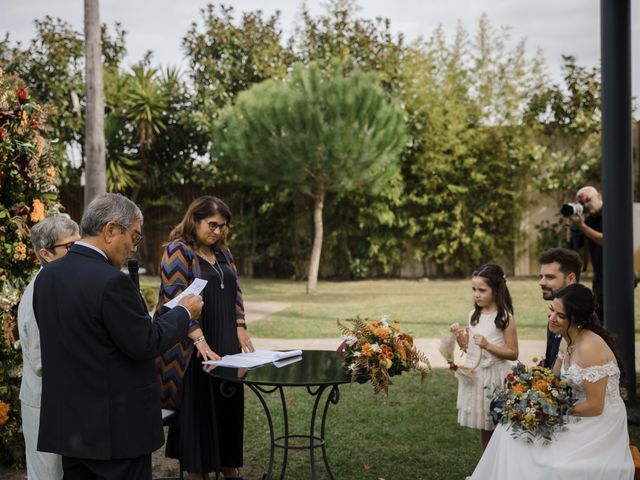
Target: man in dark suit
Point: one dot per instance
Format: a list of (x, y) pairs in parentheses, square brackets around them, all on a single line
[(100, 397), (559, 267)]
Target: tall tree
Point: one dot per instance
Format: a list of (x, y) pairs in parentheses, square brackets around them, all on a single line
[(95, 165), (316, 134), (471, 152), (228, 56)]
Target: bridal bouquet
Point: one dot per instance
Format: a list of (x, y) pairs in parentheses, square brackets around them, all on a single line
[(533, 402), (376, 350)]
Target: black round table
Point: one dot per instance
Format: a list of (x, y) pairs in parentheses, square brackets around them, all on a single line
[(318, 372)]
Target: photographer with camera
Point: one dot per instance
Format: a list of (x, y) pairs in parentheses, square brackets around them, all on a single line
[(589, 228)]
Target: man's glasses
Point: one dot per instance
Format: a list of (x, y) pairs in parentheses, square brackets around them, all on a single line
[(67, 245), (137, 238), (214, 225)]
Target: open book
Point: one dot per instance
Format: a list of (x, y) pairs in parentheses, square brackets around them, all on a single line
[(257, 358)]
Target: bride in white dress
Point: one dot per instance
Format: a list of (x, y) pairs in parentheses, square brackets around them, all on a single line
[(595, 445)]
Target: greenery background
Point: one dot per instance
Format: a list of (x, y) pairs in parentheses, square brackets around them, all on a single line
[(486, 133), (424, 308)]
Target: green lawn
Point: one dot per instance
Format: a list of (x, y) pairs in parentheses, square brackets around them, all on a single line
[(410, 434), (425, 308)]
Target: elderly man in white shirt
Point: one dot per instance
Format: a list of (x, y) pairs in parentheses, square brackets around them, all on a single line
[(51, 238)]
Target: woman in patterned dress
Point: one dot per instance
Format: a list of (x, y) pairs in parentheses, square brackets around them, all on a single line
[(208, 433)]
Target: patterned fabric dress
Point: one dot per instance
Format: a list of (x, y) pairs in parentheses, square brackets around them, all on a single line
[(487, 371), (208, 433)]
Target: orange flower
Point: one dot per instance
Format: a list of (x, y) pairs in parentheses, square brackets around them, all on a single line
[(372, 325), (367, 351), (382, 332), (40, 146), (387, 351), (4, 412), (541, 385), (37, 211), (518, 389)]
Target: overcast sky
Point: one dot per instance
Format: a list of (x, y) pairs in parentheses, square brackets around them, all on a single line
[(556, 26)]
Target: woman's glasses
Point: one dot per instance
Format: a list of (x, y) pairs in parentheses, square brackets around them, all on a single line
[(67, 245), (213, 226)]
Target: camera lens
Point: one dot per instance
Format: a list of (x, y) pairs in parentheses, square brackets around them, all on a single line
[(570, 209)]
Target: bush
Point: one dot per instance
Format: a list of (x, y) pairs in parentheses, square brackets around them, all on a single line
[(28, 193)]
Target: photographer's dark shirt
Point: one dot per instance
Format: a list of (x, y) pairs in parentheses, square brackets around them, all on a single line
[(595, 250)]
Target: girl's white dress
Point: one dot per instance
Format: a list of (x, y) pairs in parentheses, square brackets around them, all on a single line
[(594, 448), (475, 386)]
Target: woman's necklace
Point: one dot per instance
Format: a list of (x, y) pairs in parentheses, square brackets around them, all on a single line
[(214, 264), (571, 348)]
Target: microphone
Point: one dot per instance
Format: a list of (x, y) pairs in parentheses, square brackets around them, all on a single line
[(133, 267)]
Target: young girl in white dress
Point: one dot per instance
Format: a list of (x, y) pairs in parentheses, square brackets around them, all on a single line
[(595, 446), (489, 340)]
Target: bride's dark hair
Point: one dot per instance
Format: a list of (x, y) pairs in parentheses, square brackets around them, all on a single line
[(579, 307)]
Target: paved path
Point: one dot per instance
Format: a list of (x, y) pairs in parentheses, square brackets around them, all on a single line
[(255, 311)]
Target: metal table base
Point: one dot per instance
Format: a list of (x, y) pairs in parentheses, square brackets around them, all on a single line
[(313, 441)]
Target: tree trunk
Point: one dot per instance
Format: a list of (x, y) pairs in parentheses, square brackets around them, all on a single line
[(314, 263), (95, 166)]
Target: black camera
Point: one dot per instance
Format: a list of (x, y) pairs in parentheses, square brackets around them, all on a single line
[(571, 209)]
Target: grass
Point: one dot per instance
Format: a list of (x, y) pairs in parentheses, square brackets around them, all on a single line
[(425, 308), (411, 433)]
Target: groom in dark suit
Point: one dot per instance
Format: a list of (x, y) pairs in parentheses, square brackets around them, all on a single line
[(559, 267), (100, 397)]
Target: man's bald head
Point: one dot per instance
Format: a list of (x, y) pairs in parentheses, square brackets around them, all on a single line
[(590, 198)]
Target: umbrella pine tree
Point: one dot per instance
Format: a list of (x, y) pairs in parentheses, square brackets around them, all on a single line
[(315, 132)]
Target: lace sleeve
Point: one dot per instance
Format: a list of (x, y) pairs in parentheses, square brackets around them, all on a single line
[(596, 372)]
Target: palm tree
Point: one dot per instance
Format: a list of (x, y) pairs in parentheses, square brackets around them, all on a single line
[(146, 103), (94, 147)]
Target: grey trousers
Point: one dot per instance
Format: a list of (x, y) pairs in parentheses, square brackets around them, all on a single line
[(40, 465)]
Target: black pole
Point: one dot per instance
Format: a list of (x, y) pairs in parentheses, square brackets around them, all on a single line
[(615, 38)]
